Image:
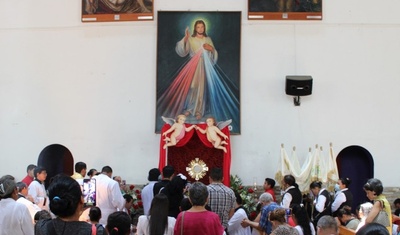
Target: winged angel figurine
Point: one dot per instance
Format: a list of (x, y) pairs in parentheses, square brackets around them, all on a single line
[(178, 130), (213, 131)]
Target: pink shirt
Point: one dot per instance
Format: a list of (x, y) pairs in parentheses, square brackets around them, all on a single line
[(199, 223)]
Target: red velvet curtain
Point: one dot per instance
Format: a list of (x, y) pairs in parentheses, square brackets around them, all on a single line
[(186, 147)]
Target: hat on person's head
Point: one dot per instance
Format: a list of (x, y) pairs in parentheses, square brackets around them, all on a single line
[(154, 174), (7, 186)]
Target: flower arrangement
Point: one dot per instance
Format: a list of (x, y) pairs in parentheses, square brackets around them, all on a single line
[(136, 193), (247, 194)]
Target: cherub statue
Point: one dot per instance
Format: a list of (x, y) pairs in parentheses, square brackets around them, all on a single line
[(178, 130), (213, 133)]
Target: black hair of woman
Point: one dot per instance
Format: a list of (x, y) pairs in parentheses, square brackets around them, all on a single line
[(374, 185), (118, 223), (65, 196), (301, 217), (346, 181), (290, 180), (158, 220)]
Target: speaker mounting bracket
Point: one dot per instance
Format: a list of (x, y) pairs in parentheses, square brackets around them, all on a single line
[(296, 101)]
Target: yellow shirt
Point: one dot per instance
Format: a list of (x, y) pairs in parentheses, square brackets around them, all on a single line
[(76, 176), (387, 209)]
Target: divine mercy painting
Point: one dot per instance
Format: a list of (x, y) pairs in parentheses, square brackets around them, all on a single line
[(198, 67)]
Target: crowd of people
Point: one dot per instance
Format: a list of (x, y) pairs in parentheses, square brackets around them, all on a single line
[(327, 212), (174, 206)]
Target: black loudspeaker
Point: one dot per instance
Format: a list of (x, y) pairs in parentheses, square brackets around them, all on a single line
[(298, 85)]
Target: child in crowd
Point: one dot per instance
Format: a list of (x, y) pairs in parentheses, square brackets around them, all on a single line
[(42, 215), (94, 216), (129, 203), (178, 130), (213, 134), (396, 204), (118, 223), (269, 185)]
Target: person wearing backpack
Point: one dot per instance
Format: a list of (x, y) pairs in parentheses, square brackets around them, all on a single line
[(94, 216)]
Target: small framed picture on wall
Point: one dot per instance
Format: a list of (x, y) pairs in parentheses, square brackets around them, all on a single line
[(111, 11), (285, 9)]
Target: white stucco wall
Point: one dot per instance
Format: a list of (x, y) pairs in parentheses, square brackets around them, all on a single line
[(91, 87)]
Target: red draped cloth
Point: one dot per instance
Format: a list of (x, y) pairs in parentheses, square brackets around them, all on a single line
[(190, 135)]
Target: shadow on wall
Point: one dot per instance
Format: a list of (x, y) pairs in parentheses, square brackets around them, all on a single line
[(356, 163), (56, 159)]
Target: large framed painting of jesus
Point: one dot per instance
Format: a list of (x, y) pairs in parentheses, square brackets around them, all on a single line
[(198, 67), (285, 9)]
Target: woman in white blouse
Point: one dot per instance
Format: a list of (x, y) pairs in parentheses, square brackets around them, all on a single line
[(234, 227), (158, 221)]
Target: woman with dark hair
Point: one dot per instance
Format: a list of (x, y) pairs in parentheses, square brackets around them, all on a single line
[(374, 188), (118, 223), (279, 225), (300, 218), (66, 202), (174, 191), (373, 229), (157, 222), (292, 194), (197, 220), (322, 201), (343, 196), (347, 219), (92, 172)]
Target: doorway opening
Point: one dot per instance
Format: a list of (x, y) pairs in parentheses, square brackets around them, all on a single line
[(356, 163)]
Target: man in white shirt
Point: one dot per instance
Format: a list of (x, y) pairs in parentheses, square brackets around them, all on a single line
[(108, 194), (147, 192)]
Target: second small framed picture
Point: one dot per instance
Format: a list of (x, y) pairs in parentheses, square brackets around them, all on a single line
[(285, 9), (111, 11)]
